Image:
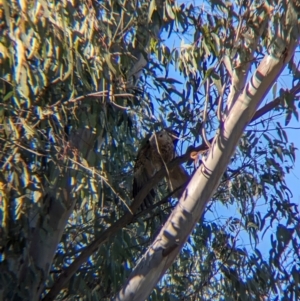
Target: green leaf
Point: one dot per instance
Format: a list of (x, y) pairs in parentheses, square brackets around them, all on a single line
[(169, 10), (8, 96), (152, 8)]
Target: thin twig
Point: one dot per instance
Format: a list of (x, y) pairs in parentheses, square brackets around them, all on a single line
[(68, 272), (220, 104), (102, 178), (203, 132), (23, 147)]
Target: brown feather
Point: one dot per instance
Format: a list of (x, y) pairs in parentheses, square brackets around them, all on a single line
[(153, 155), (143, 171), (178, 177)]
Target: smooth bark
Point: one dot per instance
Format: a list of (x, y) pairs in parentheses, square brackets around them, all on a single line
[(199, 191)]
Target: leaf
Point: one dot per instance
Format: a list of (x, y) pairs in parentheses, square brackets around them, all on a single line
[(21, 60), (4, 51), (274, 90), (152, 8), (107, 58), (8, 96), (252, 225), (169, 80), (288, 117), (217, 81), (216, 39), (169, 10), (279, 152), (13, 129), (29, 131)]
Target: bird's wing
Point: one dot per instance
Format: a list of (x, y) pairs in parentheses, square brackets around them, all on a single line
[(143, 171), (155, 152), (178, 177)]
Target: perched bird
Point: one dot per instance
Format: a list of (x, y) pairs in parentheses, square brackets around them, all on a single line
[(157, 151)]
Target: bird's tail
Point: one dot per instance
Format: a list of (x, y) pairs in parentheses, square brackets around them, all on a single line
[(149, 199)]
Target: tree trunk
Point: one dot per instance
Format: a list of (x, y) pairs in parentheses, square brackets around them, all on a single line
[(190, 208)]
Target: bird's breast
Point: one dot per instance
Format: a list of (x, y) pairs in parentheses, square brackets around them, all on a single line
[(162, 155)]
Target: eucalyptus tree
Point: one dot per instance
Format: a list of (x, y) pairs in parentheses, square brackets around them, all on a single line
[(82, 82)]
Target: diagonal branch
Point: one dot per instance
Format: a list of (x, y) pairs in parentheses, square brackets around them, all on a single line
[(91, 248), (128, 217), (163, 251)]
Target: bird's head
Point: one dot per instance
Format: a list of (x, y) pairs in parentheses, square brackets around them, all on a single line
[(167, 133), (174, 134)]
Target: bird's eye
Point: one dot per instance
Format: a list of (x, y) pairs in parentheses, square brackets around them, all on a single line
[(160, 135)]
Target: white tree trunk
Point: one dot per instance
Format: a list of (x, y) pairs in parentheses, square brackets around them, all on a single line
[(199, 191)]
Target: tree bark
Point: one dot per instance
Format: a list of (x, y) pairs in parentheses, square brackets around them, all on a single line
[(191, 205), (65, 276)]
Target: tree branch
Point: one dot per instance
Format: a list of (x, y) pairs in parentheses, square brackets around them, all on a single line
[(162, 253), (128, 217)]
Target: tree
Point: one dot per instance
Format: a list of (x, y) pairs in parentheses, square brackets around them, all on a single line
[(81, 83)]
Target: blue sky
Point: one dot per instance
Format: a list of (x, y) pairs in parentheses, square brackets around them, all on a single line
[(293, 132)]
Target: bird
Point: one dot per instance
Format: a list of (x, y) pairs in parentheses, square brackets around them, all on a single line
[(154, 154)]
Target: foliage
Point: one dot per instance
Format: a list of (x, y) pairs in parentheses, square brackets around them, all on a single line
[(72, 114)]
